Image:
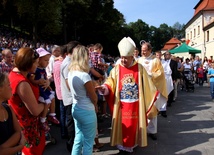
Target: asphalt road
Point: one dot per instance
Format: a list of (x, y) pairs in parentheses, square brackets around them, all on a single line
[(188, 129)]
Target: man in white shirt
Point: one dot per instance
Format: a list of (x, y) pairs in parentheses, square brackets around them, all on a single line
[(67, 95), (154, 68), (167, 72)]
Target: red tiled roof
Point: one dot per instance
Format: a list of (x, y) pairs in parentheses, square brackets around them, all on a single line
[(172, 43), (169, 47), (204, 5)]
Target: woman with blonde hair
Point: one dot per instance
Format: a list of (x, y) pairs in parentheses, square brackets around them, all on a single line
[(84, 101)]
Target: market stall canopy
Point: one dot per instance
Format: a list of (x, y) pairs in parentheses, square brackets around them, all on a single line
[(184, 48)]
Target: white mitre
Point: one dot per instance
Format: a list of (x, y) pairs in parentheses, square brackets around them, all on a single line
[(126, 47)]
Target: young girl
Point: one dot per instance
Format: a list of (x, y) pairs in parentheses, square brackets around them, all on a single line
[(211, 77), (11, 138), (200, 74), (46, 95), (96, 60)]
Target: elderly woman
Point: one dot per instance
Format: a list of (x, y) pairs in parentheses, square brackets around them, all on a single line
[(25, 100)]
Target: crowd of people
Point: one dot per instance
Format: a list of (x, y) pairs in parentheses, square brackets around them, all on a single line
[(80, 83), (14, 40)]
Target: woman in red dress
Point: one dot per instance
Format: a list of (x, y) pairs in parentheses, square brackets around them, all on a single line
[(25, 101)]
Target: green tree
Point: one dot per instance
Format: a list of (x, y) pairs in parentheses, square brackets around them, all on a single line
[(88, 21), (160, 36), (8, 12), (93, 21), (140, 31), (178, 30), (43, 16)]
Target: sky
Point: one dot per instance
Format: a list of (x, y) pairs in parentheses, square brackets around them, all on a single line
[(156, 12)]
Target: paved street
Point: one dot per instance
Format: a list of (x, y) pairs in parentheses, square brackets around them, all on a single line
[(188, 129)]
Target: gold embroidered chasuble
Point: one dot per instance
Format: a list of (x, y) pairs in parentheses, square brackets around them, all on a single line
[(146, 98), (155, 69)]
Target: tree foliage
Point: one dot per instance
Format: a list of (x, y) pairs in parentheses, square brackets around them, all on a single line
[(139, 31), (178, 30), (88, 21), (43, 16)]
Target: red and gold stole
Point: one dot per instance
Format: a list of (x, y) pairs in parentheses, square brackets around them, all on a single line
[(129, 103)]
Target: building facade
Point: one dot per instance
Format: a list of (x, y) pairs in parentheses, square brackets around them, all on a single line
[(199, 31)]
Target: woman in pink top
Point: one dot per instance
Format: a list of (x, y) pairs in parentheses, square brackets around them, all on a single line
[(56, 74)]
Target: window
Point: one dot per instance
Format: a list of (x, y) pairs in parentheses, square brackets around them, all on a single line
[(194, 33), (208, 36), (198, 30), (191, 35)]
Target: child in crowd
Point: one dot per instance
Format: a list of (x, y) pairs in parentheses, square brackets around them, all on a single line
[(46, 95), (211, 77), (90, 49), (96, 60), (200, 74), (208, 78), (99, 65), (12, 140)]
